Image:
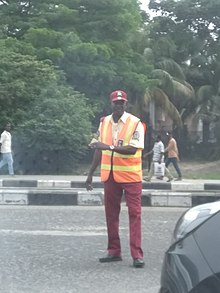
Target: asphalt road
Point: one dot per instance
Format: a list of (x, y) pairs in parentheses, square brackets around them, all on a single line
[(56, 250)]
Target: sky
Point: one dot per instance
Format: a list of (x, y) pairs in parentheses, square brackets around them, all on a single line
[(144, 4)]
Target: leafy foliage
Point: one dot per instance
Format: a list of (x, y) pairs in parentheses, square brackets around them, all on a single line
[(53, 52), (22, 79), (89, 40), (55, 133)]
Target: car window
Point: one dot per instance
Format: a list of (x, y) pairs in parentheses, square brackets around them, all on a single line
[(208, 239)]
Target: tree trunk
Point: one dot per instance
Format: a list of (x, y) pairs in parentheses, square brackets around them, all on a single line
[(205, 131)]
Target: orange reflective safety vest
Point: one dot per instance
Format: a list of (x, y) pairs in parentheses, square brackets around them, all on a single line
[(125, 168)]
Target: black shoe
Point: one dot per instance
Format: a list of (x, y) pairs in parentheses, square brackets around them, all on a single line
[(138, 263), (110, 258)]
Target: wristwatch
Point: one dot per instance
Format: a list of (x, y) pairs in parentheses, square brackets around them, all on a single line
[(111, 147)]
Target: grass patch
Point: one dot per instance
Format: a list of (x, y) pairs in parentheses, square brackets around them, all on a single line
[(189, 169)]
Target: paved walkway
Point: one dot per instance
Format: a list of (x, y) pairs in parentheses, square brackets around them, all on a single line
[(70, 190)]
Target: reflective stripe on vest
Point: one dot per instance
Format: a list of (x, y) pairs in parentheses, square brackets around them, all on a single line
[(126, 168)]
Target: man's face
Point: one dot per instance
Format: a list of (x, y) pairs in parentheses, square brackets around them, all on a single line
[(8, 127), (118, 107)]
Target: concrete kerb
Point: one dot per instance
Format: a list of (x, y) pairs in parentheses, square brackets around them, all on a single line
[(61, 191)]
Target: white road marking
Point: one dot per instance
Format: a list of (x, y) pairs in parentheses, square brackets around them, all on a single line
[(52, 233), (90, 231)]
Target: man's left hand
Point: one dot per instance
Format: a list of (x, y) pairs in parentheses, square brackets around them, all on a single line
[(99, 145)]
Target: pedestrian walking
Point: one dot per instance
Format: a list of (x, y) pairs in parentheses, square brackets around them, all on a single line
[(6, 152), (158, 157), (119, 149), (173, 155)]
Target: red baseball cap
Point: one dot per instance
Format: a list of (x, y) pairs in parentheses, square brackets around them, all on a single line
[(118, 95)]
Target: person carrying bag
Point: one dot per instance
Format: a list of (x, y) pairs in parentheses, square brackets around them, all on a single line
[(157, 166)]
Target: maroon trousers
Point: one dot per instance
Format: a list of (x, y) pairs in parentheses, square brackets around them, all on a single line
[(113, 195)]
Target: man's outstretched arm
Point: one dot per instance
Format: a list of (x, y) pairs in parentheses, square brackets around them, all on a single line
[(95, 162)]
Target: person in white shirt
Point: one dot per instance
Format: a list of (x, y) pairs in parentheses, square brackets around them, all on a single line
[(5, 142), (158, 156)]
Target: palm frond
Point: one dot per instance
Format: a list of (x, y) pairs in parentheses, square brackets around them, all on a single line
[(188, 85), (183, 90), (163, 101), (166, 81), (172, 68), (205, 93)]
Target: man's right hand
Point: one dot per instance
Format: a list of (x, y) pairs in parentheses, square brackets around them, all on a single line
[(89, 183)]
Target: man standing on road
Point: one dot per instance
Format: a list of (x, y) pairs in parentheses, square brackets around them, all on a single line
[(5, 142), (173, 155), (158, 157), (119, 149)]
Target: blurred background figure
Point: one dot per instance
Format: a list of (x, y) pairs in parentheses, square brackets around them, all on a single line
[(173, 155), (158, 157), (6, 152)]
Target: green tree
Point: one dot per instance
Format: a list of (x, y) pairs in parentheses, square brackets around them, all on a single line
[(55, 134), (89, 40), (197, 51), (22, 78), (45, 111), (198, 42), (169, 90)]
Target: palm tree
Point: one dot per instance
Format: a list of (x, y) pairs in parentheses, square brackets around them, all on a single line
[(169, 89)]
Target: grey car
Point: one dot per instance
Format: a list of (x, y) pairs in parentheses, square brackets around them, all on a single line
[(192, 262)]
